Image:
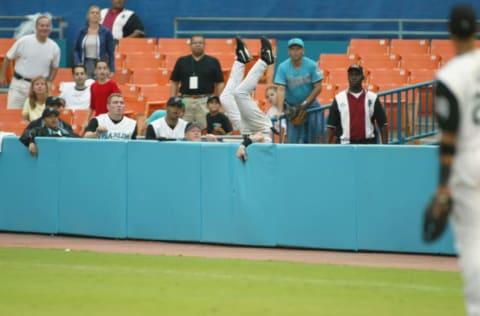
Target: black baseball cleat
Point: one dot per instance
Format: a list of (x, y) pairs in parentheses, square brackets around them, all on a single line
[(267, 52), (243, 55)]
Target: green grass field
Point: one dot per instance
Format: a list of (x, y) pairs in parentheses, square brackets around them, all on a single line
[(55, 282)]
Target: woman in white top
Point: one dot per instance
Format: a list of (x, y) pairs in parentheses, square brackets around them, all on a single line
[(35, 103), (94, 42)]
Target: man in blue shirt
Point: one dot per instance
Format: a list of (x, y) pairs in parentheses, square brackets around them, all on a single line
[(300, 82)]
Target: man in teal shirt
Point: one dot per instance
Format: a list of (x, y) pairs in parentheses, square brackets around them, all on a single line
[(300, 82)]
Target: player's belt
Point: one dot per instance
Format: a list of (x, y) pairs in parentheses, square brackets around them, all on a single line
[(20, 77), (195, 96)]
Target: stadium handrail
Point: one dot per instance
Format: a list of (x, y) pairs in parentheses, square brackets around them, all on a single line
[(60, 29), (399, 28), (416, 120)]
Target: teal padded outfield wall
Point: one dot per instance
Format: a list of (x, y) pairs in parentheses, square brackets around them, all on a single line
[(358, 198)]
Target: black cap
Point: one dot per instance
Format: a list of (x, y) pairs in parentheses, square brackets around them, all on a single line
[(463, 21), (213, 97), (193, 124), (176, 101), (52, 100), (356, 67), (49, 111)]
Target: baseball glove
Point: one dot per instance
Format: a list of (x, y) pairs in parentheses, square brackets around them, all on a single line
[(296, 114), (436, 217)]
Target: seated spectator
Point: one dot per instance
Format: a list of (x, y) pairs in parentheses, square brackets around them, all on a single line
[(50, 128), (217, 122), (51, 102), (35, 103), (77, 93), (193, 133), (171, 126), (113, 124)]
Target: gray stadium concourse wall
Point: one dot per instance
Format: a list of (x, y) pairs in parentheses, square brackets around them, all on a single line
[(314, 196)]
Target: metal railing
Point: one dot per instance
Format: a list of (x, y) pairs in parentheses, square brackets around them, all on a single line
[(222, 26), (410, 114), (58, 25)]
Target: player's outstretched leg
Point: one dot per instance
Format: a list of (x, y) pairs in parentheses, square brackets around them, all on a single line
[(267, 52), (243, 55)]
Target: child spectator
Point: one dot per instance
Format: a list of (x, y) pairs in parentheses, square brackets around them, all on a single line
[(100, 90), (217, 122)]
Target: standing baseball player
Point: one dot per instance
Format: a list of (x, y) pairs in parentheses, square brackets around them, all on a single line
[(458, 113)]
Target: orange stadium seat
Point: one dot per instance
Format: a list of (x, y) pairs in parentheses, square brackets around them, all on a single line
[(160, 76), (3, 100), (63, 75), (422, 75), (79, 117), (122, 76), (254, 45), (176, 45), (153, 106), (337, 61), (143, 60), (338, 76), (170, 58), (381, 77), (155, 93), (385, 61), (119, 60), (219, 45), (328, 93), (5, 44), (135, 104), (410, 46), (226, 61), (129, 89), (363, 46), (67, 115), (431, 61), (443, 48), (128, 45)]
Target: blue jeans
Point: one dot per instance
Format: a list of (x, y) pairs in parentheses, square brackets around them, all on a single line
[(310, 132)]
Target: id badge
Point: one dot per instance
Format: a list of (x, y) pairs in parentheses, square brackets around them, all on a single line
[(193, 82)]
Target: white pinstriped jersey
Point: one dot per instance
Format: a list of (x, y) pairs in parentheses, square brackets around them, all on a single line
[(122, 130), (461, 76)]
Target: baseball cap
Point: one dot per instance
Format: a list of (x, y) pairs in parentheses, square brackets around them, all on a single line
[(213, 97), (49, 111), (193, 124), (176, 101), (356, 67), (52, 100), (295, 41), (463, 21)]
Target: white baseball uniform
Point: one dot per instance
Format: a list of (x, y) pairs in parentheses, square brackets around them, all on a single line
[(239, 105), (458, 101)]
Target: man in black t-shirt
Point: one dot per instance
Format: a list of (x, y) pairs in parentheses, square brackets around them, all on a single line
[(196, 76)]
